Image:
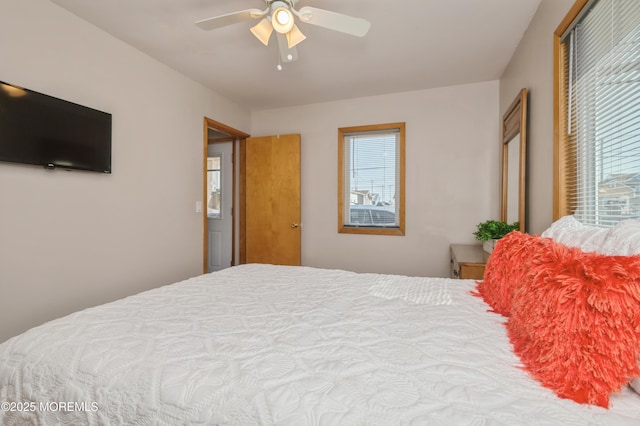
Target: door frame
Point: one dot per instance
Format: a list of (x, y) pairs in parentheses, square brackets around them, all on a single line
[(229, 135)]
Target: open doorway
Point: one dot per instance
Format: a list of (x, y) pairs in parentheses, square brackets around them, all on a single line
[(219, 205), (220, 194)]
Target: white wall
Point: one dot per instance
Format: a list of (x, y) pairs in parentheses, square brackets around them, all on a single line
[(69, 240), (531, 67), (452, 176)]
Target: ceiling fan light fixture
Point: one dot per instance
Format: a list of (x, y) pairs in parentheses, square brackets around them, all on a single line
[(282, 20), (262, 30), (295, 36), (280, 16)]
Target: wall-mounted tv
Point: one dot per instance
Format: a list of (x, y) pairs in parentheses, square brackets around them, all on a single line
[(42, 130)]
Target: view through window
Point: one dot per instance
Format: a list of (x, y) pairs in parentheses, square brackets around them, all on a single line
[(214, 196)]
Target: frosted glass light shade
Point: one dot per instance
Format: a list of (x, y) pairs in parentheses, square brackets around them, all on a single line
[(262, 30), (295, 36)]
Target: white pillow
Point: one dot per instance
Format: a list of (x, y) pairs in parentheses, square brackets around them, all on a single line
[(624, 238), (569, 231)]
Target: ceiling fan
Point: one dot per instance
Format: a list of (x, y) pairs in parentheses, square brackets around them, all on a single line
[(279, 16)]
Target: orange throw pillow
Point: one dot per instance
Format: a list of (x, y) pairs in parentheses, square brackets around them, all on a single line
[(574, 318), (504, 270)]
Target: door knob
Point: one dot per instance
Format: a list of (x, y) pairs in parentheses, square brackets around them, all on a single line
[(294, 225)]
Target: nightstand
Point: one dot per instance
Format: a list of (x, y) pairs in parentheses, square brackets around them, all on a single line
[(468, 261)]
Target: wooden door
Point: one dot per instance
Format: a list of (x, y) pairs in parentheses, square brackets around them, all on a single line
[(271, 200)]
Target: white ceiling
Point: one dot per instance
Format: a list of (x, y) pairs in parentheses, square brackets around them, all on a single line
[(412, 45)]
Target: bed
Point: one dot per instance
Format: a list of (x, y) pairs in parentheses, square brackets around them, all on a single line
[(280, 345)]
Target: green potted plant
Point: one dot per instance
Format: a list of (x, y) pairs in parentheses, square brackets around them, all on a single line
[(492, 230)]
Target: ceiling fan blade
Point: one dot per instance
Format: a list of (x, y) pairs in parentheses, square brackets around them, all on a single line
[(334, 21), (286, 54), (230, 18)]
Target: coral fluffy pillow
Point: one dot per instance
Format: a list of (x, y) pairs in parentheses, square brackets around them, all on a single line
[(506, 268), (574, 318)]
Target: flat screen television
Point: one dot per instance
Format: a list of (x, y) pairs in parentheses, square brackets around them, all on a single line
[(42, 130)]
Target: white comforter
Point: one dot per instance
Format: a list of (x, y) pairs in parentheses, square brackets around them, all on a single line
[(268, 345)]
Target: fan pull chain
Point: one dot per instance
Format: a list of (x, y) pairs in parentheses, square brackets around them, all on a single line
[(279, 66)]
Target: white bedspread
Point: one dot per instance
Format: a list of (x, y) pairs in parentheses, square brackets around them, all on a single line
[(268, 345)]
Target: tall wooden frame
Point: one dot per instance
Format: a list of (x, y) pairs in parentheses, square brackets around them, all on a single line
[(514, 122), (563, 147), (233, 135)]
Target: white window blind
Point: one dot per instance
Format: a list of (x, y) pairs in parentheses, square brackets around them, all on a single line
[(371, 174), (602, 77)]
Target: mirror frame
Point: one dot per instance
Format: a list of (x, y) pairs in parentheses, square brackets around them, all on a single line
[(514, 121)]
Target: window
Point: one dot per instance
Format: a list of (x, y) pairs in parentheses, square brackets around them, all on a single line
[(597, 118), (213, 187), (371, 179)]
